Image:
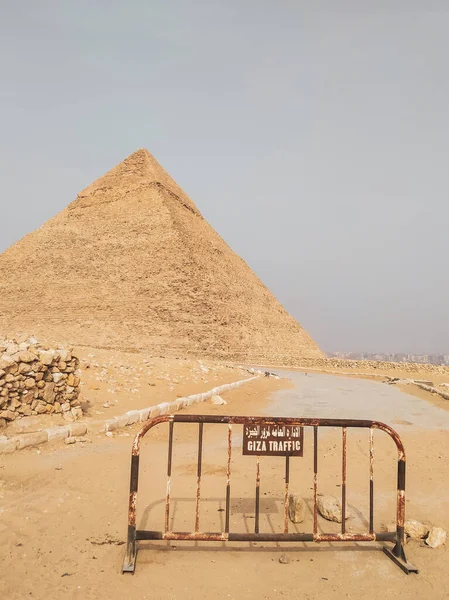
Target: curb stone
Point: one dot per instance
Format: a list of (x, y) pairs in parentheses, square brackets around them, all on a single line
[(51, 434)]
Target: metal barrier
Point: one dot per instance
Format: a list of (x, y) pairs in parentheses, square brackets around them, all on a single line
[(275, 436)]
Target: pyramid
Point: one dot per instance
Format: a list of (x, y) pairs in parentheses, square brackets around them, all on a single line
[(132, 264)]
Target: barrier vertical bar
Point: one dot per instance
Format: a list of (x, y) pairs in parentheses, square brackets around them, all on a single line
[(343, 482), (228, 482), (198, 489), (169, 461), (256, 523), (371, 480), (315, 480), (287, 481), (129, 563)]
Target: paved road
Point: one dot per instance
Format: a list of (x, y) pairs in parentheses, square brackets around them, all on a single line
[(317, 395)]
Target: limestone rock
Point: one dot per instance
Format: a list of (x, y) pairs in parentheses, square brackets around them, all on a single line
[(12, 348), (41, 407), (14, 404), (49, 392), (77, 413), (296, 508), (46, 357), (329, 507), (217, 400), (437, 537), (6, 361), (7, 414), (72, 380), (415, 530), (65, 355), (25, 357)]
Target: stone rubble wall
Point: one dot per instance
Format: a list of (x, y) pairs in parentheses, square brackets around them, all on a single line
[(36, 379), (53, 434)]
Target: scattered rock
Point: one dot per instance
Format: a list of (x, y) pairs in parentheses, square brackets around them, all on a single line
[(269, 374), (284, 559), (437, 537), (77, 413), (415, 530), (217, 400), (329, 508), (77, 438), (296, 508)]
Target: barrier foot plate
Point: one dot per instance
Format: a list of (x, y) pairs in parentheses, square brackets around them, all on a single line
[(129, 564), (400, 561)]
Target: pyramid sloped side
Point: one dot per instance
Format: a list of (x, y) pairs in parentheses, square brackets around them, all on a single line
[(244, 319), (147, 272)]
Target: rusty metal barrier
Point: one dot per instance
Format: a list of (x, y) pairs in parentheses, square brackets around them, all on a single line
[(270, 436)]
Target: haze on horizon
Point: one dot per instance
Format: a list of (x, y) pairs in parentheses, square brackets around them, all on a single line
[(314, 137)]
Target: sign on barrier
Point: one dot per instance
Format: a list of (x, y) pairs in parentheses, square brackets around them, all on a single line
[(265, 439)]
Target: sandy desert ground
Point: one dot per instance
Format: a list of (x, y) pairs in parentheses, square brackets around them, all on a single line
[(64, 507)]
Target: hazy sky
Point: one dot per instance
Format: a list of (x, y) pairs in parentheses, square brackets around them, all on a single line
[(313, 135)]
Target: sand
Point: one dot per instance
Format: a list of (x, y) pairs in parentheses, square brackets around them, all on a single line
[(63, 521)]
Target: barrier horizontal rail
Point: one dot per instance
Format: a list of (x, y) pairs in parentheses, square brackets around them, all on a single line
[(271, 429)]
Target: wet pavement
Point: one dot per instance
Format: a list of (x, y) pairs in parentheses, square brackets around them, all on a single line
[(330, 396)]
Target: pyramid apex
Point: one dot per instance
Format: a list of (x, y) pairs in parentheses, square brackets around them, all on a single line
[(140, 153), (139, 167)]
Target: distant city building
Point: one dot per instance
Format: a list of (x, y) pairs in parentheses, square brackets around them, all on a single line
[(434, 359)]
